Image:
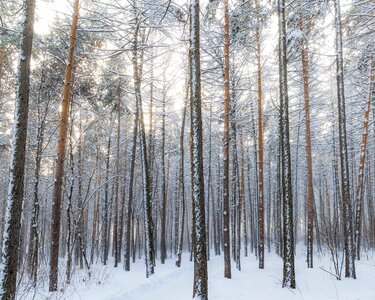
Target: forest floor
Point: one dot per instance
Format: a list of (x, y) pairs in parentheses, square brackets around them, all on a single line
[(170, 282)]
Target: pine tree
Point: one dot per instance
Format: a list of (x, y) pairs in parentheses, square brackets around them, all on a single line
[(60, 160), (11, 242), (344, 163), (226, 209), (286, 175), (200, 290)]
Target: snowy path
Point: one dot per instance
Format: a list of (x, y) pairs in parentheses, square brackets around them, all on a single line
[(170, 282)]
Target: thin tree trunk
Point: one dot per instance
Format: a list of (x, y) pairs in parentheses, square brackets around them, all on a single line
[(115, 212), (129, 212), (182, 182), (345, 186), (105, 231), (33, 253), (260, 145), (163, 247), (362, 157), (69, 212), (226, 208)]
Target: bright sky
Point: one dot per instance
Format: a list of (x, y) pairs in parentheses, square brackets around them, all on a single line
[(46, 12)]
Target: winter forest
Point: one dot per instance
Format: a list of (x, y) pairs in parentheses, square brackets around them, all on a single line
[(179, 149)]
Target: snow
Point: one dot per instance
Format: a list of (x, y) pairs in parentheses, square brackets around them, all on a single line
[(170, 282)]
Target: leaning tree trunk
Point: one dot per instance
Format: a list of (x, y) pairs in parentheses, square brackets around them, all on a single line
[(286, 175), (344, 163), (129, 212), (61, 145), (360, 186), (17, 165)]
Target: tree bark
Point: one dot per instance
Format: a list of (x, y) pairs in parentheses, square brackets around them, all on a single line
[(200, 290), (286, 175), (17, 165), (260, 145), (61, 145), (148, 222), (226, 209), (115, 212), (344, 163), (163, 247), (361, 169), (310, 188)]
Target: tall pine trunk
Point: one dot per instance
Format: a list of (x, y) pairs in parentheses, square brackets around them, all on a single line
[(310, 188), (182, 182), (260, 146), (286, 175), (148, 222), (226, 208), (163, 247), (116, 210), (61, 145), (362, 157), (344, 163), (12, 228), (200, 290)]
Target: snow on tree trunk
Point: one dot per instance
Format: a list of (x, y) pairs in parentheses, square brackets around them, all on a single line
[(148, 223), (362, 157), (200, 290), (130, 199), (260, 145), (11, 238), (182, 182), (344, 163), (226, 210), (115, 211), (310, 188), (163, 246), (286, 176)]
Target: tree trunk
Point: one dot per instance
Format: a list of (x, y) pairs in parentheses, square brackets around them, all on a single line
[(105, 231), (182, 182), (163, 247), (260, 146), (129, 212), (360, 186), (148, 223), (310, 188), (17, 165), (345, 186), (33, 252), (200, 290), (226, 208), (115, 212), (61, 145), (286, 176)]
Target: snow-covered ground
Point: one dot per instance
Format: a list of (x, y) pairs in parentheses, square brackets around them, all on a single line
[(170, 282)]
